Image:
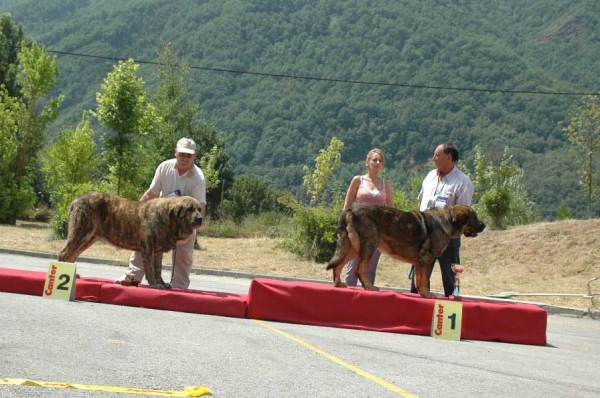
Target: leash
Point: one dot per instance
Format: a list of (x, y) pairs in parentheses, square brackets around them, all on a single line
[(173, 263), (177, 192)]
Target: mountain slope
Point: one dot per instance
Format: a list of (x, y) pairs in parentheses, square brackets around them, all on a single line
[(274, 125)]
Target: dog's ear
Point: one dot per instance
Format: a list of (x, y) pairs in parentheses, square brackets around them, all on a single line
[(181, 209), (460, 216), (175, 212)]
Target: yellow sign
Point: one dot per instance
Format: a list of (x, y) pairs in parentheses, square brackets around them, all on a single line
[(60, 281), (447, 320)]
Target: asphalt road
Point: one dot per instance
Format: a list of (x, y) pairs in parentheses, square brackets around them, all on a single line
[(109, 345)]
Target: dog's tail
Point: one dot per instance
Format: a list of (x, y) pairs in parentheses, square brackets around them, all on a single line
[(343, 241)]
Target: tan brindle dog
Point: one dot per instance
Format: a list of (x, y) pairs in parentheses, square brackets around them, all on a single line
[(151, 227)]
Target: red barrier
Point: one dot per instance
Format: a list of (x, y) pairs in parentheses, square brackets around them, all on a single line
[(195, 301), (388, 311), (309, 303), (108, 292), (32, 283)]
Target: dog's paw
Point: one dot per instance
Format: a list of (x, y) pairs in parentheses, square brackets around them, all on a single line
[(340, 284), (429, 295), (372, 288), (161, 286)]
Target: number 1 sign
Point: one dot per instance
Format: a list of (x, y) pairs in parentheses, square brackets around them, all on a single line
[(60, 281), (447, 320)]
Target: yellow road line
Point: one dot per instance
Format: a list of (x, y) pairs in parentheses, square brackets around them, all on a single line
[(352, 368), (192, 391)]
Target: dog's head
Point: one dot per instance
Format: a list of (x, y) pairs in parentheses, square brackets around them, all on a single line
[(188, 212), (465, 221)]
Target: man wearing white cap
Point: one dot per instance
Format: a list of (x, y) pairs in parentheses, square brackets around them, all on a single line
[(180, 177)]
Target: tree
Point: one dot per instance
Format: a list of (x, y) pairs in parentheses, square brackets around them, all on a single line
[(214, 162), (175, 110), (249, 194), (208, 164), (316, 236), (178, 118), (583, 131), (326, 162), (123, 108), (23, 125), (408, 199), (499, 195), (70, 165), (15, 192), (71, 158), (11, 36), (38, 74)]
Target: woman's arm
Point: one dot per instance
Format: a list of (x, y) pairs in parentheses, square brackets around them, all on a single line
[(351, 194)]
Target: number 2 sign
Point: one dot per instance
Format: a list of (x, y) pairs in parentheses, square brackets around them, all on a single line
[(60, 281)]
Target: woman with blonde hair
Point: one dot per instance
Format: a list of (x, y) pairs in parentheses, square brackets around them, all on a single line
[(368, 188)]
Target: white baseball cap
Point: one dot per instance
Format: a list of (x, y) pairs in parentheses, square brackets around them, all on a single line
[(185, 145)]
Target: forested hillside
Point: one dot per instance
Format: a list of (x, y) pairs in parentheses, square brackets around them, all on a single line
[(487, 57)]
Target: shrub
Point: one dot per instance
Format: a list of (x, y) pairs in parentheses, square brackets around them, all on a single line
[(62, 198), (317, 234), (41, 212), (221, 229), (249, 195), (563, 213), (269, 224)]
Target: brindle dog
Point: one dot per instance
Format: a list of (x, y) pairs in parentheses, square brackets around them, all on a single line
[(414, 237), (152, 227)]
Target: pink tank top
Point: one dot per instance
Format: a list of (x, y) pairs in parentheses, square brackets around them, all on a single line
[(365, 195)]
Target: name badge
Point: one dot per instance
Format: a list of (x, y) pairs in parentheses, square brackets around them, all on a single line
[(176, 192), (441, 201)]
